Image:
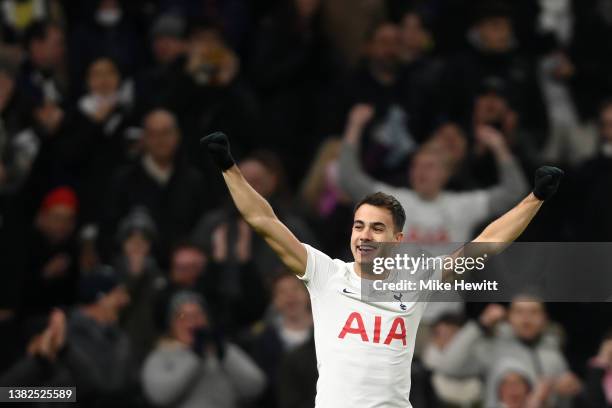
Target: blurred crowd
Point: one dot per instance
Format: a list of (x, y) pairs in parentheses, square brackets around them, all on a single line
[(128, 273)]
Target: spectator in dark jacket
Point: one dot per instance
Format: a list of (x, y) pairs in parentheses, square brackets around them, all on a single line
[(298, 376), (170, 189), (88, 351), (289, 327), (598, 386), (52, 270)]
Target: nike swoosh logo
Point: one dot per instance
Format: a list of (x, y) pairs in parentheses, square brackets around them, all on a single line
[(346, 291)]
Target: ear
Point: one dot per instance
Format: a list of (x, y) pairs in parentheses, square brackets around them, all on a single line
[(399, 236)]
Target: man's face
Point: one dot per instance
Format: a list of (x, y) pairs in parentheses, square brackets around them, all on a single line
[(413, 36), (527, 318), (49, 51), (57, 223), (428, 174), (513, 391), (167, 49), (495, 33), (489, 109), (187, 266), (189, 318), (383, 49), (371, 227), (290, 297), (161, 136), (452, 140), (606, 124), (103, 77), (258, 176)]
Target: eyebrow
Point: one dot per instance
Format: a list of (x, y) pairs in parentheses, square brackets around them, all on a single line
[(372, 224)]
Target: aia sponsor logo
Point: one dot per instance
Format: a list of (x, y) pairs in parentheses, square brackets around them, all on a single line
[(354, 326)]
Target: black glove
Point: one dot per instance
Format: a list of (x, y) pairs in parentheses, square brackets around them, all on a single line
[(547, 181), (218, 147)]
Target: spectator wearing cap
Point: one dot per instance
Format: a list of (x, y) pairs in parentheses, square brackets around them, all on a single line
[(138, 270), (493, 51), (167, 39), (52, 268), (162, 182), (192, 366)]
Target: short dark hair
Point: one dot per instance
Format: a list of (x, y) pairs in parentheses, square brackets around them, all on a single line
[(389, 202)]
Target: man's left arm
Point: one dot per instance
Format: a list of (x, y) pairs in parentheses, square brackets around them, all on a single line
[(507, 228)]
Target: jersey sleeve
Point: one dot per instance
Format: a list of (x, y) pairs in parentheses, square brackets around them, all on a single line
[(319, 269)]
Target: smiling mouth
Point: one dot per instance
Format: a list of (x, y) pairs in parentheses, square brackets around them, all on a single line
[(366, 249)]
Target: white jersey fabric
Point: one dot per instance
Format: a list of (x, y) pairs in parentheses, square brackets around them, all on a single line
[(364, 349)]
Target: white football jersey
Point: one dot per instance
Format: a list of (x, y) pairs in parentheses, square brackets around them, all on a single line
[(364, 349)]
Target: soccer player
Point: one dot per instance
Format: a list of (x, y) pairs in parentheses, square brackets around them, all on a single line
[(364, 349)]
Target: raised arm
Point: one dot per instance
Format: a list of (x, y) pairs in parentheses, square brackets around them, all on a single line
[(255, 210), (504, 230)]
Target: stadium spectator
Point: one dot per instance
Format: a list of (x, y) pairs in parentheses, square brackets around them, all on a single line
[(100, 139), (323, 201), (143, 279), (210, 74), (434, 215), (215, 231), (494, 52), (298, 374), (526, 340), (289, 327), (192, 366), (162, 182), (168, 45), (593, 222), (514, 386), (105, 29), (598, 382), (87, 350), (52, 268)]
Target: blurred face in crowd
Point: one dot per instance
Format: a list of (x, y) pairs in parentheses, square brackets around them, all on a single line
[(48, 52), (167, 48), (208, 44), (452, 139), (428, 174), (109, 12), (495, 33), (259, 176), (413, 36), (527, 318), (7, 86), (161, 136), (605, 123), (57, 223), (513, 391), (290, 297), (113, 303), (383, 47), (189, 318), (187, 266), (307, 8), (442, 334), (490, 108), (371, 225), (103, 77)]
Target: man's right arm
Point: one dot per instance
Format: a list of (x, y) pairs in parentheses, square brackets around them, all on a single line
[(255, 210)]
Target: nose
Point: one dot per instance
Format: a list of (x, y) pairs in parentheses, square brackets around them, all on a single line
[(365, 235)]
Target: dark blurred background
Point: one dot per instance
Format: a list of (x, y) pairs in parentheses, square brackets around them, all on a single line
[(126, 270)]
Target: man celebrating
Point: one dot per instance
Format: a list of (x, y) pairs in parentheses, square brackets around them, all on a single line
[(364, 349)]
